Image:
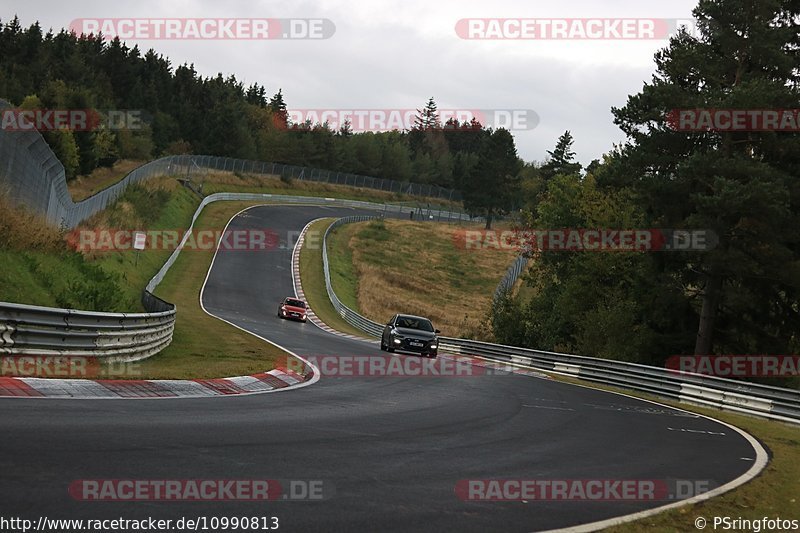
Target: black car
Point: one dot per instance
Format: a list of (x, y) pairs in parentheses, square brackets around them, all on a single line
[(411, 334)]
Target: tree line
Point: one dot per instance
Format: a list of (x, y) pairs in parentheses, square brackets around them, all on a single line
[(739, 297), (184, 112)]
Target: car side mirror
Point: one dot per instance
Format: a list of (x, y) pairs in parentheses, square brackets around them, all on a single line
[(437, 331)]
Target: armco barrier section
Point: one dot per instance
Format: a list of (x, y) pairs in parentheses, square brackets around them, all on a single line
[(46, 331), (775, 403), (353, 318), (721, 393)]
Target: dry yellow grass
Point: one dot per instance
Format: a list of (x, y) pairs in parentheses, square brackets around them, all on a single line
[(83, 187), (124, 215), (23, 230), (419, 268)]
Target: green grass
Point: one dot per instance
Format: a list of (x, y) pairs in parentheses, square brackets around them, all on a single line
[(313, 280), (174, 214), (57, 276), (52, 275), (772, 493), (344, 279), (34, 278), (204, 346), (101, 178)]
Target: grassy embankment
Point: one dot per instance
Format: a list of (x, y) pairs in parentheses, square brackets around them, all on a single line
[(40, 268), (395, 266), (101, 178)]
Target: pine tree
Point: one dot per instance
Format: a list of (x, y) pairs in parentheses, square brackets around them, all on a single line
[(491, 187), (562, 159), (428, 117), (279, 112), (742, 185)]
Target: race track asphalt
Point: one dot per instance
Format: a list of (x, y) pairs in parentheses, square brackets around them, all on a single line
[(389, 450)]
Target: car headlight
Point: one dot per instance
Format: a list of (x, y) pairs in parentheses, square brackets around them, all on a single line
[(398, 341), (434, 345)]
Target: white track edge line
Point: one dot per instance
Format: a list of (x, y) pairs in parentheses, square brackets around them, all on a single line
[(316, 370)]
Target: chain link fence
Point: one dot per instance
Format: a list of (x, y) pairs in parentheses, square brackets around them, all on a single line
[(32, 176), (512, 275), (207, 164)]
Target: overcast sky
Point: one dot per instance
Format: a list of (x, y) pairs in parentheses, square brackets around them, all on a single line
[(395, 54)]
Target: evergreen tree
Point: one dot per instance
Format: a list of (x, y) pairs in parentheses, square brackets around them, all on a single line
[(562, 159), (491, 187), (740, 184), (279, 112)]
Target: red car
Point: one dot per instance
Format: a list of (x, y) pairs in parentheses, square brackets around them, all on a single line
[(293, 308)]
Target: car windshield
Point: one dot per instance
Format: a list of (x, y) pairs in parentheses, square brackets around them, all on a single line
[(295, 303), (414, 323)]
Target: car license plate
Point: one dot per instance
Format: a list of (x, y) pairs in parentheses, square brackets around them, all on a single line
[(415, 343)]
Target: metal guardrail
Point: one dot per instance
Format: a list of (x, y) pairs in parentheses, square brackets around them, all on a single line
[(31, 175), (726, 394), (730, 395), (350, 316), (47, 331)]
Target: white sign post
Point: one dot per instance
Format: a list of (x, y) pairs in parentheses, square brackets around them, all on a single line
[(139, 241)]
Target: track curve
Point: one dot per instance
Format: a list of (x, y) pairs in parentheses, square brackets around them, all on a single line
[(393, 448)]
